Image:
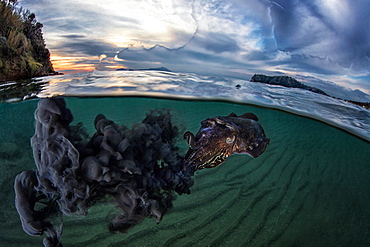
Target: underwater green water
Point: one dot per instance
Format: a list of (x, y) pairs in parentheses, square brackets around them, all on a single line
[(311, 187)]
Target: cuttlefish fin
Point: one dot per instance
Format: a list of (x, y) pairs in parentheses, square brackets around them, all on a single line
[(232, 115), (190, 139), (245, 115), (250, 116)]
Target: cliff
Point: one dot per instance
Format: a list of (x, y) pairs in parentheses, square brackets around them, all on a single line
[(22, 47)]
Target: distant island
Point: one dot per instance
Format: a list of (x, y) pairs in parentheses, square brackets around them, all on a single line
[(23, 53), (156, 69), (287, 81)]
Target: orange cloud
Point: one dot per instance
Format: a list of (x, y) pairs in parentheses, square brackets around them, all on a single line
[(73, 64), (76, 64)]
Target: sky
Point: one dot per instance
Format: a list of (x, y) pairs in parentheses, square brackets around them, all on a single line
[(322, 43)]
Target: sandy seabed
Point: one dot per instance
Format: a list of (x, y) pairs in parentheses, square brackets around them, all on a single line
[(310, 187)]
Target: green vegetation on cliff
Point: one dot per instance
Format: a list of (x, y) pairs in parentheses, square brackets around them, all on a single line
[(22, 47)]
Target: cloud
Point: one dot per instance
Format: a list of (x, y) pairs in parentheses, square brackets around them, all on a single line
[(333, 29), (85, 47), (234, 38), (120, 23), (217, 42), (336, 90)]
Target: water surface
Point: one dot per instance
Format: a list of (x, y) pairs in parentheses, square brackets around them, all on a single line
[(339, 113)]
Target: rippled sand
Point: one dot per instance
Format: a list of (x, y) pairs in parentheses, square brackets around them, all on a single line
[(310, 188)]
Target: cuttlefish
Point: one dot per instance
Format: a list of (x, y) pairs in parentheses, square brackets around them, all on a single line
[(220, 137)]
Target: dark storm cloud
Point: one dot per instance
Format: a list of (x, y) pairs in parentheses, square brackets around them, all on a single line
[(74, 36), (86, 47), (175, 59), (338, 30), (308, 63), (217, 43), (202, 46), (204, 53)]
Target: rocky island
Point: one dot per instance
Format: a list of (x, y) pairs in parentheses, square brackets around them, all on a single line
[(23, 53), (287, 81)]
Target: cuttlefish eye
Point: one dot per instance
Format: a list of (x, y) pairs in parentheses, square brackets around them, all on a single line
[(230, 139)]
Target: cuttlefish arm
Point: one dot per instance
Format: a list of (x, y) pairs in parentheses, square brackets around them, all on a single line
[(190, 139), (220, 137)]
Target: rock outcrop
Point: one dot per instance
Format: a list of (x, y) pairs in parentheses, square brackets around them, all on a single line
[(22, 47), (285, 81)]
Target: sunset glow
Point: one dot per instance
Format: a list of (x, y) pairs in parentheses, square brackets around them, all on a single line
[(68, 65)]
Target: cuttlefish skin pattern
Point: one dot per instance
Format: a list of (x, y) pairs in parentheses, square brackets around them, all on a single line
[(220, 137)]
